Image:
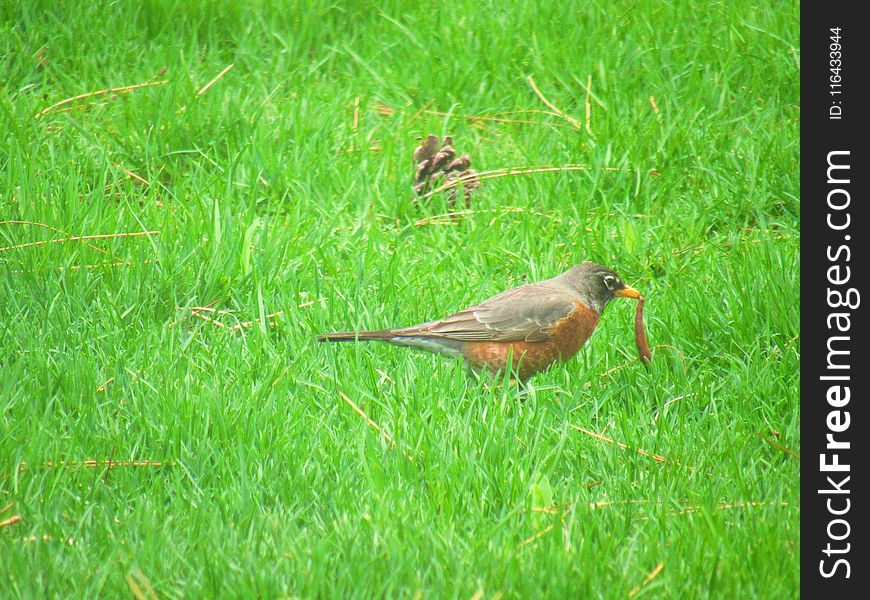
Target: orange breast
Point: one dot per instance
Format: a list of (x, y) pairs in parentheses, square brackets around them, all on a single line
[(567, 336)]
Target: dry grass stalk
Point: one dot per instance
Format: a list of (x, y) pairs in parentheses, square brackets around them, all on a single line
[(385, 377), (355, 125), (385, 110), (41, 58), (207, 86), (10, 521), (196, 309), (685, 510), (374, 425), (92, 464), (123, 263), (606, 503), (672, 401), (60, 231), (199, 315), (133, 175), (565, 509), (281, 376), (589, 105), (102, 387), (451, 218), (78, 238), (610, 372), (46, 538), (246, 324), (419, 112), (642, 452), (509, 172), (552, 106), (117, 90), (778, 446), (99, 266), (496, 119), (529, 111), (135, 579), (536, 537), (725, 506), (652, 575)]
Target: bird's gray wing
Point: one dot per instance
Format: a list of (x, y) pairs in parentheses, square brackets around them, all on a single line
[(525, 313)]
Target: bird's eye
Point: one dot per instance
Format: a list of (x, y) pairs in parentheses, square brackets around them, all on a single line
[(611, 282)]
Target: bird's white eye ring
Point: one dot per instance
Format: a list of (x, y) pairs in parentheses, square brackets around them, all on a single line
[(610, 281)]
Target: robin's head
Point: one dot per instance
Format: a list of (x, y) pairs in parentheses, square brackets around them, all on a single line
[(596, 285)]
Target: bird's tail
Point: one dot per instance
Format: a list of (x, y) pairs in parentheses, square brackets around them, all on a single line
[(351, 336)]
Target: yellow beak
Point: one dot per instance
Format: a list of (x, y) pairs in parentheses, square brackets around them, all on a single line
[(628, 292)]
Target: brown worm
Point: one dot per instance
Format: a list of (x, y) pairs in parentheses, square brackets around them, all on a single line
[(643, 350)]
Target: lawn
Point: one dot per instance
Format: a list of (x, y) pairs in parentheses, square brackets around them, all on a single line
[(236, 178)]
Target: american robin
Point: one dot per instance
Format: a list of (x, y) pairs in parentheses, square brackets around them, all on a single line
[(532, 325)]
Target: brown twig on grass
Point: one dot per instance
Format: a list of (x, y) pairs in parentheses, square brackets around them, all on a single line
[(552, 106), (652, 575), (207, 86), (123, 89)]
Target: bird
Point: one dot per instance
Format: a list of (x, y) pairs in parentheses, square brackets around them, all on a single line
[(527, 328)]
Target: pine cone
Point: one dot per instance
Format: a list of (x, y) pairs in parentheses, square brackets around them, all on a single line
[(468, 180), (435, 166)]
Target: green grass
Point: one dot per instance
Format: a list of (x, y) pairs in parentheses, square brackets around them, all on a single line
[(267, 199)]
